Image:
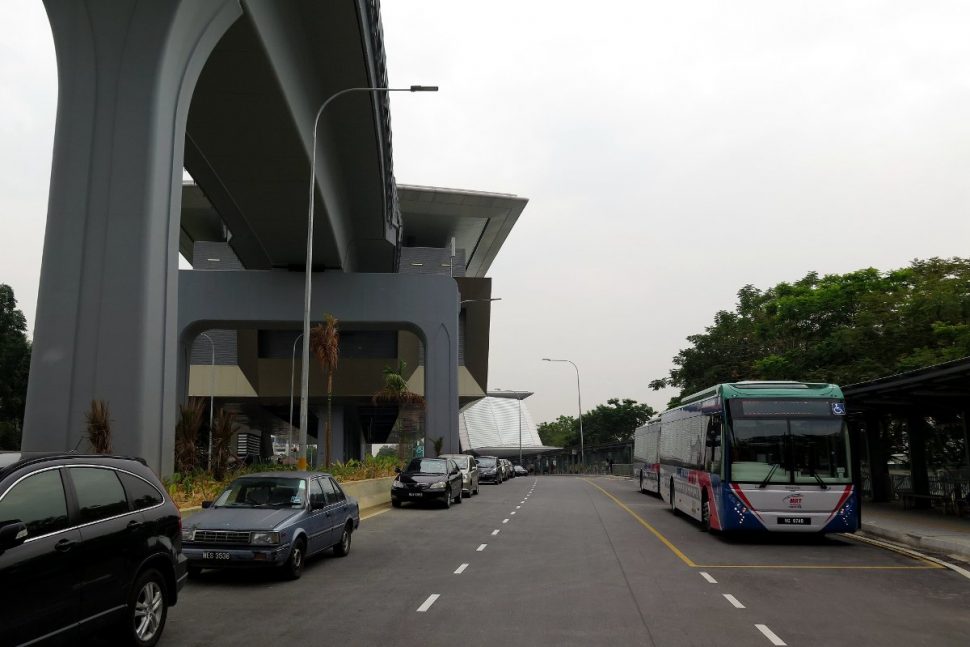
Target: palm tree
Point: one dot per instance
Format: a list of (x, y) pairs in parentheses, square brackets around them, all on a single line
[(98, 428), (187, 433), (325, 346), (396, 391)]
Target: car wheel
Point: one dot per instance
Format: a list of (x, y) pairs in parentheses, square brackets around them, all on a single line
[(147, 609), (475, 491), (194, 571), (460, 495), (293, 568), (343, 548), (395, 503), (448, 501)]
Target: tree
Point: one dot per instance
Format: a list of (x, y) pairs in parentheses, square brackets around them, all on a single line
[(187, 435), (411, 405), (14, 368), (561, 432), (840, 328), (98, 428), (325, 346), (614, 422)]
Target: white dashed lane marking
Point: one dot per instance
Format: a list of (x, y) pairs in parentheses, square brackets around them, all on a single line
[(481, 548), (461, 569), (733, 600), (770, 635), (513, 512), (427, 603), (707, 576), (495, 532), (505, 520), (518, 507)]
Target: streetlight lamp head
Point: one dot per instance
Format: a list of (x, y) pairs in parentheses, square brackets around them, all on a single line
[(424, 88)]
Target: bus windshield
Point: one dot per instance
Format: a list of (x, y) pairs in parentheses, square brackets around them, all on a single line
[(801, 451)]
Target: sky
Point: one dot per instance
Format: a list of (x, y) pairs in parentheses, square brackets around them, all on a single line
[(671, 152)]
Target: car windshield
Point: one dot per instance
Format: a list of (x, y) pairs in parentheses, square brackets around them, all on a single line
[(263, 492), (485, 461), (461, 460), (426, 466)]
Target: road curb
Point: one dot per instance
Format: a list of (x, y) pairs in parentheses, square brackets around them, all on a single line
[(951, 549)]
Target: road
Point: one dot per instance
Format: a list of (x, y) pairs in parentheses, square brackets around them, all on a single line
[(574, 561)]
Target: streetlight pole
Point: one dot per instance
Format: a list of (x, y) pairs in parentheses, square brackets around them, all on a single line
[(305, 372), (520, 431), (212, 394), (579, 398), (289, 434)]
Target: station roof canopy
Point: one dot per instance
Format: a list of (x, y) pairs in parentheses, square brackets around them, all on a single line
[(478, 221), (942, 388), (491, 427)]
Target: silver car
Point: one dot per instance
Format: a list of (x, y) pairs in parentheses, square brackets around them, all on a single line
[(469, 472)]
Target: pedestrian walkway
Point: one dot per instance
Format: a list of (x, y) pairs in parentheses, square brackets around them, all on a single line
[(926, 530)]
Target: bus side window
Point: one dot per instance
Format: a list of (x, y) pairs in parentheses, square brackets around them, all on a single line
[(713, 452)]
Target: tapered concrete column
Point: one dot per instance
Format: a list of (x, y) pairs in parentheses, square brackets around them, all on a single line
[(107, 306)]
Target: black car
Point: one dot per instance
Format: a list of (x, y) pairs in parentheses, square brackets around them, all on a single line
[(267, 520), (490, 470), (427, 479), (520, 471), (86, 543)]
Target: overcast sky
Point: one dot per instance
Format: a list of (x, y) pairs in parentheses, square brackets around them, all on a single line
[(672, 152)]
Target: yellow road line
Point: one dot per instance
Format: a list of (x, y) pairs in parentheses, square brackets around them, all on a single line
[(666, 542), (833, 567), (684, 558), (885, 546)]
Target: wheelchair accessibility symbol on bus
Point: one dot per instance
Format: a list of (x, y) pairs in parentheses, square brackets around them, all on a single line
[(838, 408)]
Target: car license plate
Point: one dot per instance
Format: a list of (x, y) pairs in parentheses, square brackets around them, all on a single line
[(215, 554), (794, 521), (414, 493)]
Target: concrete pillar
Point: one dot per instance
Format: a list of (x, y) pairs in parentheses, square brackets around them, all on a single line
[(878, 457), (107, 305), (917, 430)]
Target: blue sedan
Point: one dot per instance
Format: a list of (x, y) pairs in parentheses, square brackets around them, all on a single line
[(272, 519)]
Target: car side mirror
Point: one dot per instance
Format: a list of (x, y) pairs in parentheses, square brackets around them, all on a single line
[(453, 472), (12, 533), (397, 469), (477, 463), (206, 504)]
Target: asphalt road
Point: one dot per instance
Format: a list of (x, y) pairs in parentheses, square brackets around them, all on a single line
[(578, 562)]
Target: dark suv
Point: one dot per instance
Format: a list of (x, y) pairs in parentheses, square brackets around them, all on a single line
[(86, 543)]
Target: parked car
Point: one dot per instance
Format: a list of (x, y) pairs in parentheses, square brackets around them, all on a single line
[(469, 472), (489, 470), (520, 471), (86, 543), (268, 520), (507, 468), (427, 479)]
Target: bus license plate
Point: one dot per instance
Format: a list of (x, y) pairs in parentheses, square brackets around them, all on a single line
[(794, 521), (216, 555)]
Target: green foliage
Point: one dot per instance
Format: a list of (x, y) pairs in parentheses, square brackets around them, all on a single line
[(189, 489), (437, 443), (608, 423), (14, 368), (840, 328), (387, 450), (614, 422), (562, 432)]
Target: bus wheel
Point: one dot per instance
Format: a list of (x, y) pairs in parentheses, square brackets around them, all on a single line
[(673, 506), (641, 482), (705, 514)]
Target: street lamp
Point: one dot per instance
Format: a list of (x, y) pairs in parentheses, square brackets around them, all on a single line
[(305, 372), (579, 397), (289, 433), (212, 393)]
